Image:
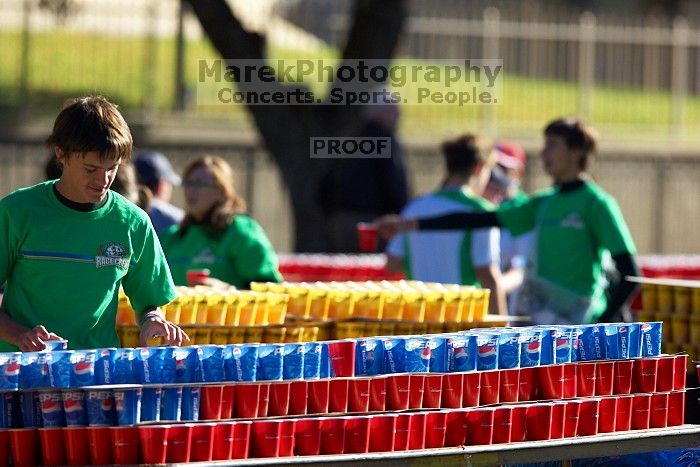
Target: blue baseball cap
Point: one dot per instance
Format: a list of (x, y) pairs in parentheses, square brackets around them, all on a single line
[(152, 166)]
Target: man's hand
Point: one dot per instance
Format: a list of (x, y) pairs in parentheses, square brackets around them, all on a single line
[(34, 339), (392, 224), (154, 325)]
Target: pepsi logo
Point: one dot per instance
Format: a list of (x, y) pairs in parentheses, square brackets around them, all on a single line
[(461, 354), (533, 347), (104, 353), (72, 406), (11, 369), (425, 354), (180, 364), (106, 405), (50, 406), (562, 344), (82, 368), (487, 350), (622, 329), (237, 352), (645, 327)]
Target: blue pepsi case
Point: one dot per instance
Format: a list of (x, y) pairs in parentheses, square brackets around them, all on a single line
[(9, 370), (127, 403), (213, 363), (564, 344), (83, 368), (369, 357), (394, 354), (487, 351), (10, 410), (31, 409), (75, 408), (190, 404), (634, 340), (461, 353), (34, 370), (104, 365), (293, 361), (100, 408), (312, 360), (530, 347), (438, 354), (508, 350), (156, 365), (52, 414), (171, 404), (61, 369), (126, 367), (242, 365), (547, 344), (651, 338), (615, 345), (417, 355), (270, 362), (325, 369), (188, 364), (150, 404), (58, 344), (592, 343)]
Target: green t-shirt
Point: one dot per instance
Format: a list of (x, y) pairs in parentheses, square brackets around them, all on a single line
[(574, 228), (240, 255), (63, 267)]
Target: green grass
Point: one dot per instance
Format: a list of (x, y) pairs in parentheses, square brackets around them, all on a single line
[(140, 74)]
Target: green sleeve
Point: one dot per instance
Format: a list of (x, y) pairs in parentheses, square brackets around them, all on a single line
[(9, 244), (609, 227), (148, 282), (253, 257), (519, 216)]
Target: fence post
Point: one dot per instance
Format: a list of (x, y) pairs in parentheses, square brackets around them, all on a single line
[(679, 76), (180, 97), (24, 54), (490, 50), (149, 100), (586, 63)]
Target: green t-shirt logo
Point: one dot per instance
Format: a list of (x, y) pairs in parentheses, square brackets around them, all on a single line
[(114, 254), (573, 221)]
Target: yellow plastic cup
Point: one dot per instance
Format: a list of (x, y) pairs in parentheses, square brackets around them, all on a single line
[(325, 332), (387, 328), (694, 328), (247, 308), (188, 307), (346, 330), (414, 306), (434, 328), (318, 303), (125, 314), (202, 299), (372, 328), (298, 304), (681, 300), (254, 334), (421, 328), (434, 307), (172, 311), (236, 335), (369, 304), (274, 334), (203, 336), (258, 286), (131, 336), (680, 328), (665, 298), (219, 335), (216, 312), (263, 312), (310, 333), (453, 305), (404, 328), (454, 327), (650, 297), (481, 304), (393, 305), (695, 300), (340, 304), (233, 312), (294, 334), (120, 335), (277, 307)]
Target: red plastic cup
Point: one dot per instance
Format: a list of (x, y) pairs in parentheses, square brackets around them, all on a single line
[(502, 423), (607, 413), (77, 446), (665, 378), (384, 426), (317, 397), (5, 445), (223, 441), (287, 438), (241, 439), (24, 446), (622, 376), (377, 395), (154, 443), (297, 398), (452, 390), (480, 425), (571, 416), (367, 236), (416, 383), (358, 395), (416, 430), (526, 384), (263, 400), (398, 392), (356, 434), (197, 276), (680, 367), (342, 356), (539, 421), (658, 415), (307, 437), (570, 381), (246, 400), (265, 437), (432, 391), (279, 399), (126, 445), (676, 408), (558, 414), (623, 413), (518, 428), (456, 428), (640, 411), (588, 417), (585, 379), (202, 442), (227, 395), (604, 380), (338, 395), (644, 375), (509, 386), (435, 429), (471, 389), (490, 383), (551, 381), (401, 433), (210, 402), (333, 435), (53, 451), (179, 443)]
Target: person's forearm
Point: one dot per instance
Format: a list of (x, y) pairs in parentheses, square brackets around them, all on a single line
[(512, 279), (10, 330), (460, 221), (490, 278)]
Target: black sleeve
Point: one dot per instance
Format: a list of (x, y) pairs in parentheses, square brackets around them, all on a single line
[(460, 221), (622, 291)]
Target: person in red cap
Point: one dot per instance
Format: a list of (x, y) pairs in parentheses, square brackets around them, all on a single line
[(511, 158)]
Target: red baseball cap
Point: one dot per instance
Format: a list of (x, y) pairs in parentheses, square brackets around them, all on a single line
[(510, 155)]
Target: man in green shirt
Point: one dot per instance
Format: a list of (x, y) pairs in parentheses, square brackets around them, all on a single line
[(66, 246), (575, 222)]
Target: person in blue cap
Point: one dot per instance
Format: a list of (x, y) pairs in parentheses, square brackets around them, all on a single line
[(155, 172)]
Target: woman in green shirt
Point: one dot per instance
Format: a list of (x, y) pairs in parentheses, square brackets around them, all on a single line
[(216, 234), (575, 223)]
